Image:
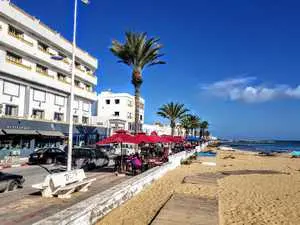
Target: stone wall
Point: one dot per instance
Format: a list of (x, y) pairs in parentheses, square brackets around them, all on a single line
[(94, 208)]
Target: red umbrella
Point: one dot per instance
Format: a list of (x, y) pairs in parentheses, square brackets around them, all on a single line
[(143, 138), (157, 139), (120, 136)]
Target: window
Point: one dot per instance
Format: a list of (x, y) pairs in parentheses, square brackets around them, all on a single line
[(86, 106), (85, 120), (141, 117), (41, 69), (76, 104), (77, 83), (13, 58), (58, 116), (129, 115), (117, 101), (38, 114), (43, 47), (59, 100), (129, 103), (88, 87), (11, 110), (39, 96), (61, 77), (15, 32), (11, 89), (117, 114), (75, 119), (107, 101)]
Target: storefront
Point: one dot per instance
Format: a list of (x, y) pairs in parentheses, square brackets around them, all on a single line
[(21, 137)]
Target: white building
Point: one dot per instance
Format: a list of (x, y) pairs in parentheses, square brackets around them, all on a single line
[(33, 85), (117, 111), (162, 129)]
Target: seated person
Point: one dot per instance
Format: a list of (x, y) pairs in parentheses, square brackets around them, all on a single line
[(136, 163)]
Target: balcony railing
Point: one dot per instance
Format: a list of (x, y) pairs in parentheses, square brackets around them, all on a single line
[(80, 68), (90, 73), (43, 72), (46, 51), (64, 81), (20, 37), (17, 63)]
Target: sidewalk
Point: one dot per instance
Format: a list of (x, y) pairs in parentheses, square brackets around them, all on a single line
[(17, 209)]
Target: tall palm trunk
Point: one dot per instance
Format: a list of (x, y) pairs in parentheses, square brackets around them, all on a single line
[(137, 82), (172, 127), (137, 90)]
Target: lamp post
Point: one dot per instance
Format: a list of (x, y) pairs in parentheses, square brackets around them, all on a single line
[(70, 142), (70, 139)]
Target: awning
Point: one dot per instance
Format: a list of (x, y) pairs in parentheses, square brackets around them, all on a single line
[(20, 131), (1, 133), (51, 133)]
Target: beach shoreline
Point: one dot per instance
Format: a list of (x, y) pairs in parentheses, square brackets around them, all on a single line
[(255, 190)]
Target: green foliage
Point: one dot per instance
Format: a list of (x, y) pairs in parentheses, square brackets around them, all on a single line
[(173, 112), (138, 51)]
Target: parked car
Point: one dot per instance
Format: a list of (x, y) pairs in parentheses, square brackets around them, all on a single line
[(10, 182), (48, 156), (127, 149), (88, 158)]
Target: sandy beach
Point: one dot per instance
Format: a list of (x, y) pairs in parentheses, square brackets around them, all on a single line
[(246, 192)]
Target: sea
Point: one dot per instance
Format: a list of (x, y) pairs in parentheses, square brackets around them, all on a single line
[(264, 146)]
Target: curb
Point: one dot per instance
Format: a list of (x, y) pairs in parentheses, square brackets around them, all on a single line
[(13, 166)]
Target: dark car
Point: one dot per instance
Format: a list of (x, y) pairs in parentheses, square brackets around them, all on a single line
[(88, 158), (10, 182), (48, 156)]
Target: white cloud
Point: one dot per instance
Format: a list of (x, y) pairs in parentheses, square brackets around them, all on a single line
[(242, 89)]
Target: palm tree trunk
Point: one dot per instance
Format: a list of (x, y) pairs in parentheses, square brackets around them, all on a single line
[(137, 90), (172, 127), (137, 82)]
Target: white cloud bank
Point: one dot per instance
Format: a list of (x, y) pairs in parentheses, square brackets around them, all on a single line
[(240, 89)]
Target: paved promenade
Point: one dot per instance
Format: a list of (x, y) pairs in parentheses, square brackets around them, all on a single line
[(26, 206)]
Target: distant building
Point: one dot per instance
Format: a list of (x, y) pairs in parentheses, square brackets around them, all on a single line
[(116, 111), (34, 86), (161, 129)]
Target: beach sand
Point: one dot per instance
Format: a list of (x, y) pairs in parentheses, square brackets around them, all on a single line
[(243, 199)]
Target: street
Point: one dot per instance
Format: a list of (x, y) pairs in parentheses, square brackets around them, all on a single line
[(25, 206)]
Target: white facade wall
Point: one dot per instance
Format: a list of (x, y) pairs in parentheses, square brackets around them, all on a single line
[(27, 46), (125, 108), (12, 94)]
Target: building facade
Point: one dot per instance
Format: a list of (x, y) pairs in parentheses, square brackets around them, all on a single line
[(117, 111), (162, 129), (35, 73)]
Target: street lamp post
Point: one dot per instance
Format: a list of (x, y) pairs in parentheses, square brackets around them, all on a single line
[(70, 142)]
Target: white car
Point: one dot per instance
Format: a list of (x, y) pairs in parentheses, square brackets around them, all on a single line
[(127, 149)]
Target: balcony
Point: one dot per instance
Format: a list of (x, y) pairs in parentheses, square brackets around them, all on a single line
[(20, 37), (18, 63), (43, 72)]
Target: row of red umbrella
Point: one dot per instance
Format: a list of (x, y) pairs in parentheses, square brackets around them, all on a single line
[(123, 136)]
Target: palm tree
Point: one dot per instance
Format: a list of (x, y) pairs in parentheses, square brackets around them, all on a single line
[(203, 126), (195, 122), (185, 123), (190, 122), (137, 52), (173, 112)]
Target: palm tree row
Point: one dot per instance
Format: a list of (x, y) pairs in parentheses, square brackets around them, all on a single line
[(177, 112)]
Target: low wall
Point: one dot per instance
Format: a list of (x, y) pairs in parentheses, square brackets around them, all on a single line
[(89, 211)]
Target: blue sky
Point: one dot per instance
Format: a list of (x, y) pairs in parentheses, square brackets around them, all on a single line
[(235, 63)]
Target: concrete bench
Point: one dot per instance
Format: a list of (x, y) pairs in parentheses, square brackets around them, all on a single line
[(64, 184)]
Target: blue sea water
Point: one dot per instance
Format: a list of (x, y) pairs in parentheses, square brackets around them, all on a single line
[(265, 146)]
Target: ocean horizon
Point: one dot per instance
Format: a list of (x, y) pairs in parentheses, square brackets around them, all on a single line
[(264, 145)]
